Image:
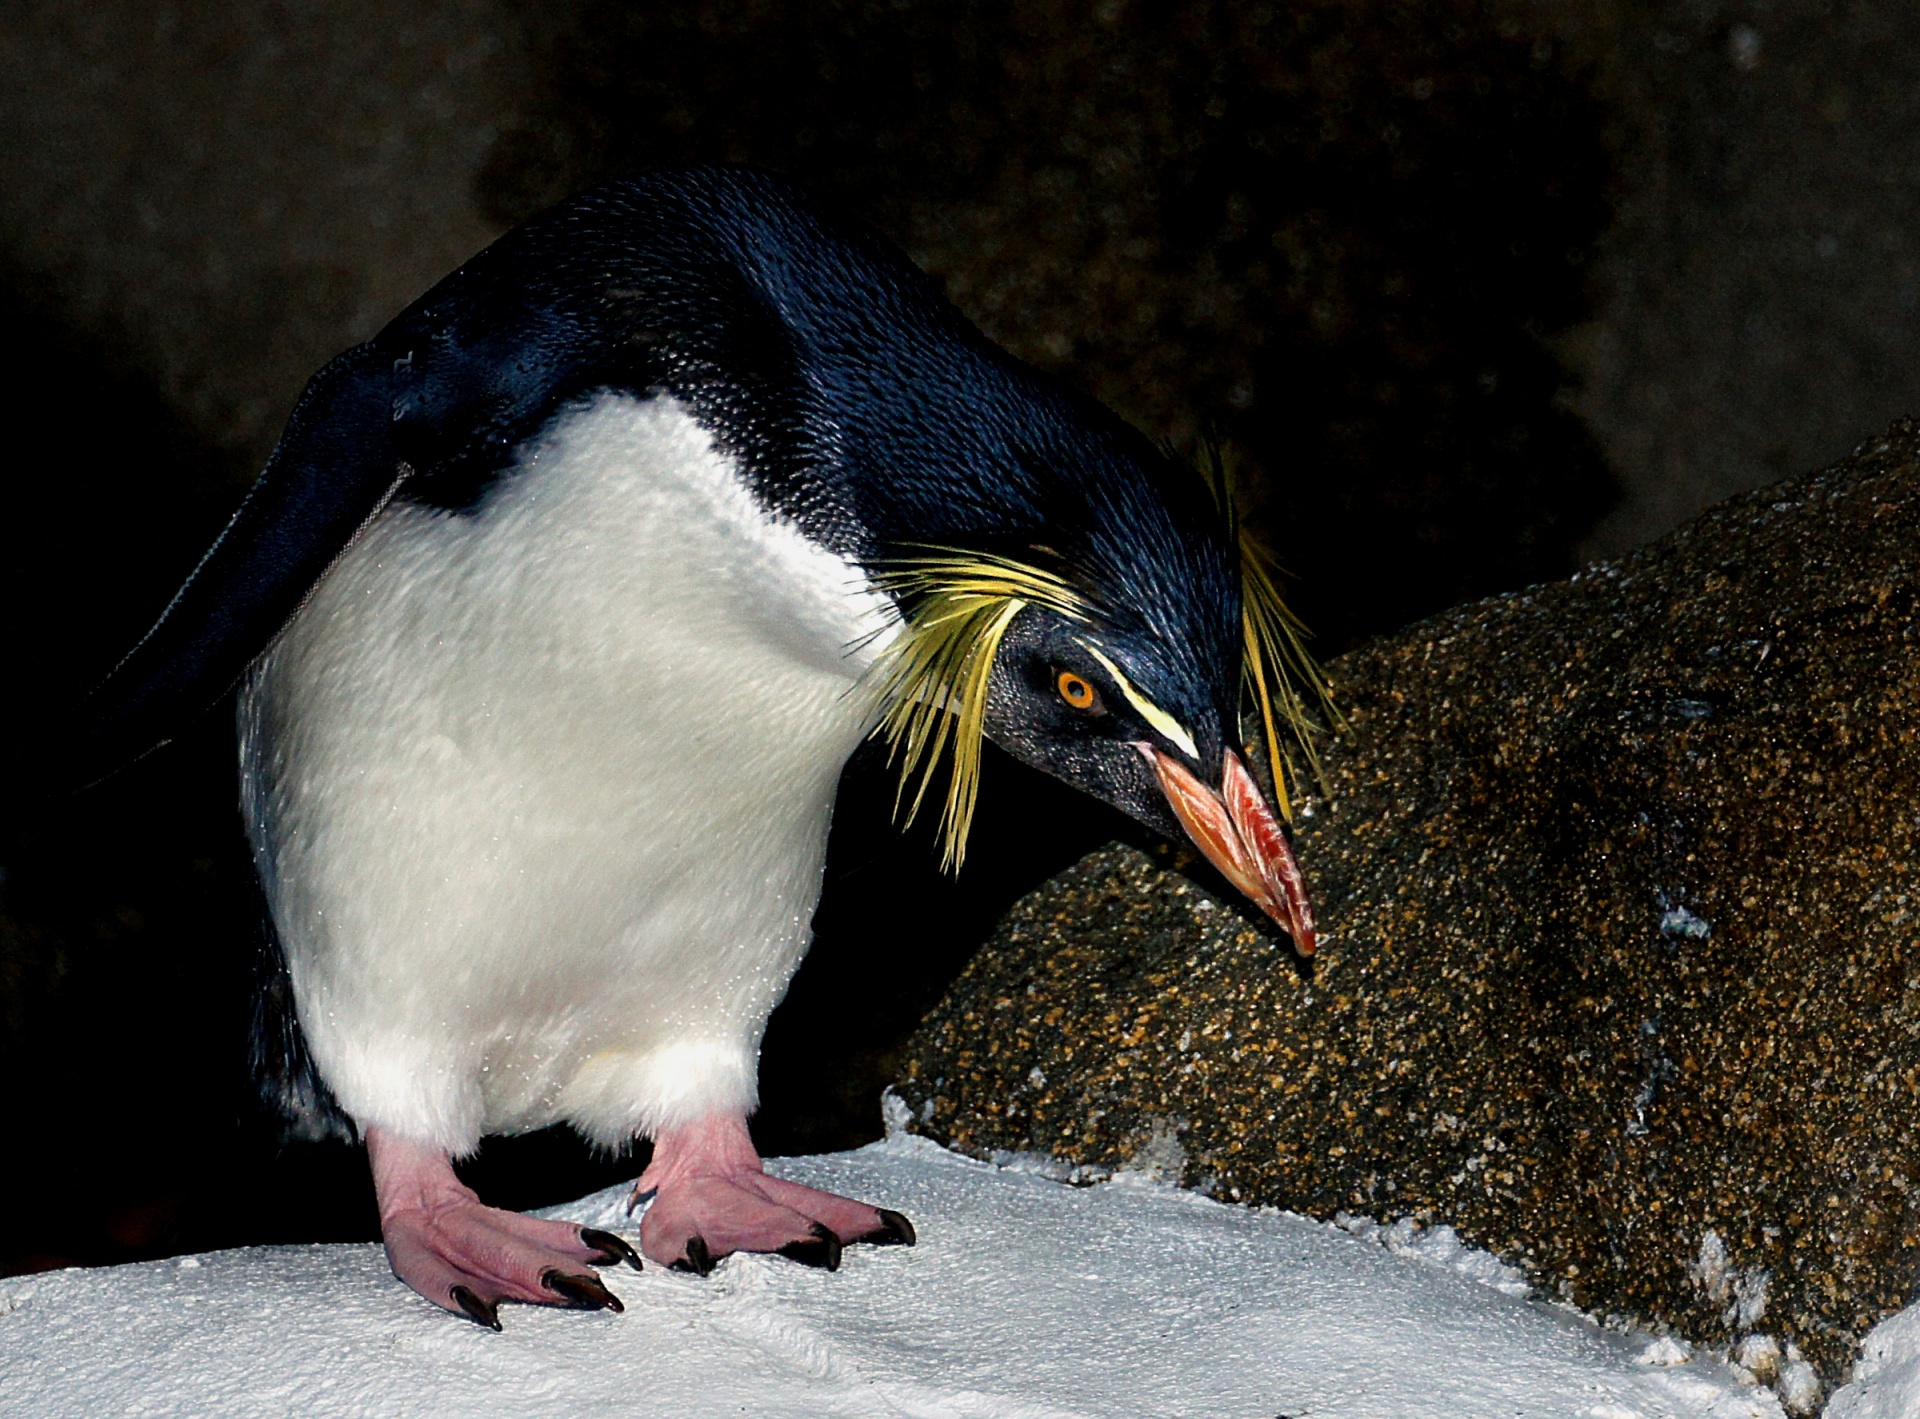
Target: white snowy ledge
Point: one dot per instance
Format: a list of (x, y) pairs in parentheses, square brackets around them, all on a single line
[(1026, 1299)]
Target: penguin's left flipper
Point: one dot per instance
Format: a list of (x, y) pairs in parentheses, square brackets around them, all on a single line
[(334, 468)]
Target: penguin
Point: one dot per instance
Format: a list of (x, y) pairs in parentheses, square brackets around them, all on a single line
[(554, 617)]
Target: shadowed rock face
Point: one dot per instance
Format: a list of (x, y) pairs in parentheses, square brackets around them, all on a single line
[(1621, 881)]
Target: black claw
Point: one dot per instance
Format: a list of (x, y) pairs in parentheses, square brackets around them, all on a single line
[(581, 1292), (821, 1249), (639, 1197), (698, 1259), (894, 1231), (614, 1248), (483, 1312)]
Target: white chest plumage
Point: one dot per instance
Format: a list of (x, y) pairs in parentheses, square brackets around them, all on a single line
[(540, 795)]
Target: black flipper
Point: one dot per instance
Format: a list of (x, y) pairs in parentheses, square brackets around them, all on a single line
[(334, 468)]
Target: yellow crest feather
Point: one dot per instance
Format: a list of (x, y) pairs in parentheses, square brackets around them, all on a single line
[(933, 678), (1285, 681)]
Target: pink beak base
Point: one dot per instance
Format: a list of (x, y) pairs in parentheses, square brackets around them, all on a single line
[(1241, 837)]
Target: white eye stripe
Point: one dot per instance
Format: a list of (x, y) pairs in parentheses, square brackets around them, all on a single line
[(1169, 726)]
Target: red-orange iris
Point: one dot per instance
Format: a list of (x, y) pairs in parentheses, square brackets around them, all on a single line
[(1076, 690)]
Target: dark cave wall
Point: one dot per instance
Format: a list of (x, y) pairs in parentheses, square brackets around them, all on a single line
[(1334, 235)]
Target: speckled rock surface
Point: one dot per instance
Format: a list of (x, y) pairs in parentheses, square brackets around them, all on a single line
[(1620, 880)]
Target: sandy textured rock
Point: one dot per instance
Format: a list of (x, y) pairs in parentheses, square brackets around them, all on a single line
[(1620, 878)]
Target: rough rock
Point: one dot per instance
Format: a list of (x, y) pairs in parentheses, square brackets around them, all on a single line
[(1621, 879)]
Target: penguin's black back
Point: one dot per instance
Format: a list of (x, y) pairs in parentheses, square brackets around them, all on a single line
[(857, 402)]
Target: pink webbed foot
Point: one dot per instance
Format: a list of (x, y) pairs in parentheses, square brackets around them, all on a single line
[(711, 1198), (468, 1257)]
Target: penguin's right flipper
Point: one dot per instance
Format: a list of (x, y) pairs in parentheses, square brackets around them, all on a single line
[(333, 469)]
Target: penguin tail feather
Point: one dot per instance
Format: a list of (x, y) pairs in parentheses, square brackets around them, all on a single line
[(294, 1099)]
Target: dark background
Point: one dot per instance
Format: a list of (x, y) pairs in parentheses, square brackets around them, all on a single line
[(1472, 291)]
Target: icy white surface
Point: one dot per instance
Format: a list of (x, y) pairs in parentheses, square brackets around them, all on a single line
[(1026, 1299), (1885, 1383)]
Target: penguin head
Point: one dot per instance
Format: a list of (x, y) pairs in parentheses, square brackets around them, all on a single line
[(1098, 705), (1121, 666)]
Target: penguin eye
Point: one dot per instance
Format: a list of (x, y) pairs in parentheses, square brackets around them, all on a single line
[(1078, 692)]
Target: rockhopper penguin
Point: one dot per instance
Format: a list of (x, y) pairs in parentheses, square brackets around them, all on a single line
[(556, 614)]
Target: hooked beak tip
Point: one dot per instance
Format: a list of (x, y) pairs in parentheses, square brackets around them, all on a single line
[(1239, 834)]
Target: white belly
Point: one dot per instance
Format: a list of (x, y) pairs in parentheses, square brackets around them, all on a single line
[(540, 796)]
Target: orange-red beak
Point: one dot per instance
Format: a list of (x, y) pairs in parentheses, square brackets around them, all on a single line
[(1240, 836)]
